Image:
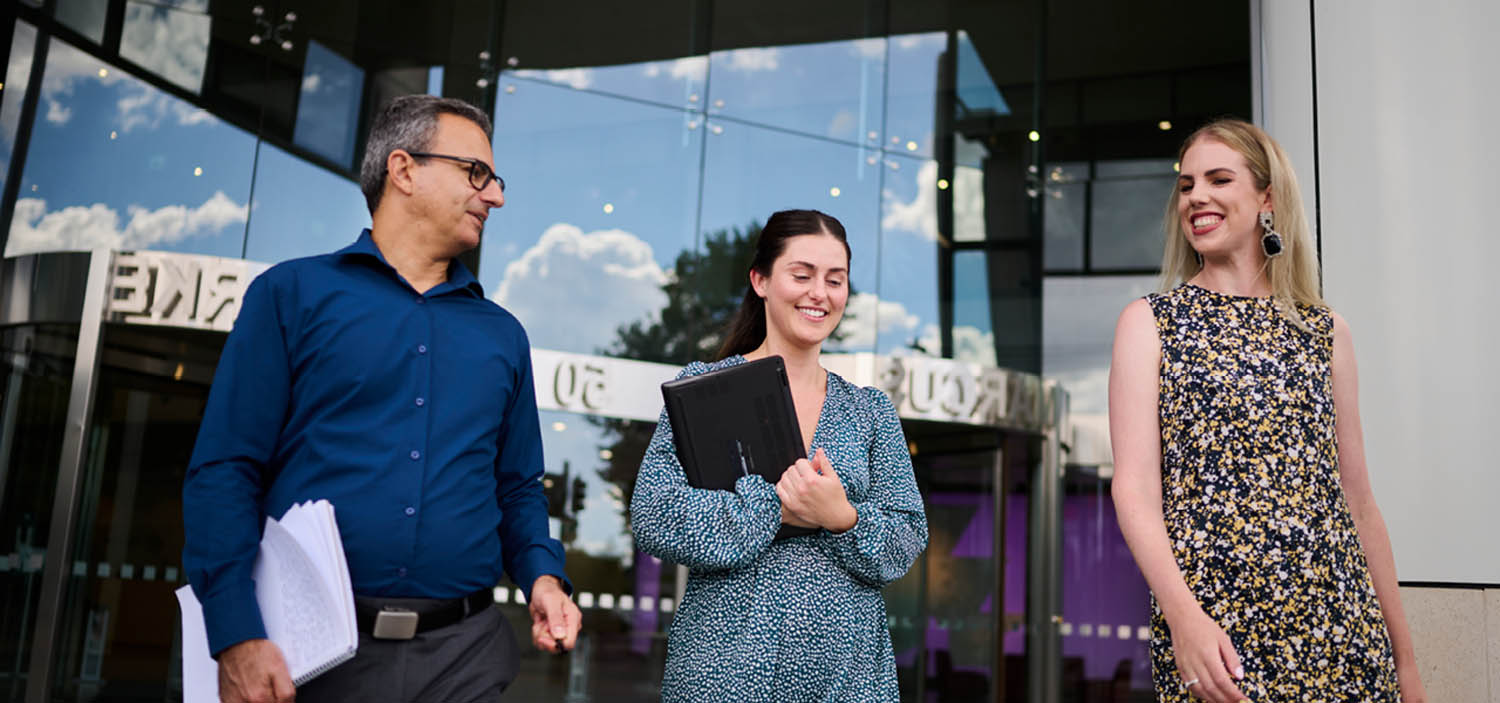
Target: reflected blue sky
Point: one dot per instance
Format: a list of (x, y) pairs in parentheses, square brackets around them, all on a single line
[(115, 162)]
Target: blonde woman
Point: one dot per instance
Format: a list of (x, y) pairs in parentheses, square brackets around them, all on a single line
[(1240, 478)]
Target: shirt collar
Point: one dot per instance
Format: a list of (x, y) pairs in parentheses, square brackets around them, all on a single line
[(459, 277)]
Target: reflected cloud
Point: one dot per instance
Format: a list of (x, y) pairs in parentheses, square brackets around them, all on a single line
[(693, 68), (753, 59), (918, 216), (868, 319), (577, 78), (970, 344), (172, 44), (78, 227), (139, 106), (571, 289), (870, 48), (907, 42)]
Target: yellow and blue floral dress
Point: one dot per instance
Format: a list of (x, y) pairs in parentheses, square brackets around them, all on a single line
[(1254, 508), (800, 619)]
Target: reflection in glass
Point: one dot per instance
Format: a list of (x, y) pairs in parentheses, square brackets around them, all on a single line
[(908, 284), (973, 336), (119, 164), (328, 110), (829, 89), (676, 82), (1066, 210), (171, 43), (1078, 324), (977, 94), (751, 172), (35, 376), (912, 92), (1126, 213), (18, 76), (301, 209), (84, 16), (627, 598), (119, 642), (599, 204)]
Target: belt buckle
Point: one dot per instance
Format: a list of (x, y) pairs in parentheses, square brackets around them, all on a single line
[(395, 624)]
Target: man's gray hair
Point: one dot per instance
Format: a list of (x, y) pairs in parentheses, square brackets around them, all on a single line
[(407, 123)]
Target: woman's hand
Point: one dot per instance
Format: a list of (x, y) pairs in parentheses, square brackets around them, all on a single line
[(812, 496), (1205, 655)]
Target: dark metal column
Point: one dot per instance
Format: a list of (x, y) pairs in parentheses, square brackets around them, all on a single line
[(69, 478)]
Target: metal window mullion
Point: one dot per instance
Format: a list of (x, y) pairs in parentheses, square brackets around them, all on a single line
[(60, 536)]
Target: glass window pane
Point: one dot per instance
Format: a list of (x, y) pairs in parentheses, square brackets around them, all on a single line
[(17, 77), (84, 16), (973, 326), (789, 77), (301, 209), (911, 103), (35, 378), (171, 43), (116, 163), (1126, 221), (596, 47), (600, 200), (907, 314), (1066, 208), (751, 172), (328, 110)]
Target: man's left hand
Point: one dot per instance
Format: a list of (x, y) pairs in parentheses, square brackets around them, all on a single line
[(555, 619)]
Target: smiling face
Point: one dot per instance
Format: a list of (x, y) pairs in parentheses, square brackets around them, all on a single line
[(806, 290), (454, 209), (1218, 201)]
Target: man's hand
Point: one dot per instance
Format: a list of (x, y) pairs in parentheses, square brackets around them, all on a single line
[(811, 492), (254, 671), (554, 617)]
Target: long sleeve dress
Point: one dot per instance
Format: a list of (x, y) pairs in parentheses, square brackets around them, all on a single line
[(801, 619)]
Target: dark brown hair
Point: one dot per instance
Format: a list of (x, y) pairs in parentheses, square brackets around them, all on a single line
[(747, 329)]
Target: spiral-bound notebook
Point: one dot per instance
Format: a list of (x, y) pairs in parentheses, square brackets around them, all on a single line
[(735, 421), (306, 602)]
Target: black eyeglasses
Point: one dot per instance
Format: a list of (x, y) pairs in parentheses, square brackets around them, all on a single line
[(480, 174)]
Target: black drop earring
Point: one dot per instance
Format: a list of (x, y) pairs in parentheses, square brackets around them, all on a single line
[(1270, 241)]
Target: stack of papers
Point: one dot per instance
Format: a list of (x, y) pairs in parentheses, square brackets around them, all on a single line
[(306, 602)]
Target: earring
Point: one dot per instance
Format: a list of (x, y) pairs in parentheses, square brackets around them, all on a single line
[(1270, 242)]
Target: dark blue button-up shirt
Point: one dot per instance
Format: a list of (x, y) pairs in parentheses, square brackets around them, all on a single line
[(412, 413)]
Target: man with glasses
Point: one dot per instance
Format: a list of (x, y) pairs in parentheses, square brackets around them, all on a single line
[(380, 378)]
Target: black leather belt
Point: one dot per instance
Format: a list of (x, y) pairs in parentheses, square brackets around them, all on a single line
[(403, 618)]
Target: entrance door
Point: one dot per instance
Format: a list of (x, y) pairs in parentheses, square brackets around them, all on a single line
[(119, 628), (956, 616)]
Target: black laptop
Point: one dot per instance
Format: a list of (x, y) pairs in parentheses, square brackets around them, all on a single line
[(733, 422)]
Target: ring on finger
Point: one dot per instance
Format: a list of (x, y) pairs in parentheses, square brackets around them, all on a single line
[(1190, 683)]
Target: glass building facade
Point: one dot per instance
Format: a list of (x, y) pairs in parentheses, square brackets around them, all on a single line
[(1001, 168)]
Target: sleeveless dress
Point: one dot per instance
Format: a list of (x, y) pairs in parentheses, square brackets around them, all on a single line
[(1253, 505)]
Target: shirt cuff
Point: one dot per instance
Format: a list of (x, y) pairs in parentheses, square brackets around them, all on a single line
[(231, 617), (536, 564), (850, 539)]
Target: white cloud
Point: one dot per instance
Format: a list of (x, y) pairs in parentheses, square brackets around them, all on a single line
[(867, 317), (928, 39), (870, 48), (571, 289), (170, 43), (576, 78), (969, 344), (689, 67), (754, 59), (139, 104), (95, 226), (919, 215), (843, 125), (310, 82)]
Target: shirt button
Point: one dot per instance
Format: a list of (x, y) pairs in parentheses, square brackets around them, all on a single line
[(415, 455), (401, 572), (421, 402), (421, 300), (410, 511), (421, 348)]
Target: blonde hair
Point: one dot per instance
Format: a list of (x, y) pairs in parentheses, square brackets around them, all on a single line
[(1293, 276)]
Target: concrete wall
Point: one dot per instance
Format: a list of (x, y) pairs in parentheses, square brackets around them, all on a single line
[(1387, 109)]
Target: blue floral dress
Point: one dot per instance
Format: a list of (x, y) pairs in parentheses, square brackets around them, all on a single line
[(801, 619)]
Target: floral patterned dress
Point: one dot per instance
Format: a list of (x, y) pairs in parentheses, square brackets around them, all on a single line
[(1253, 504), (800, 619)]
